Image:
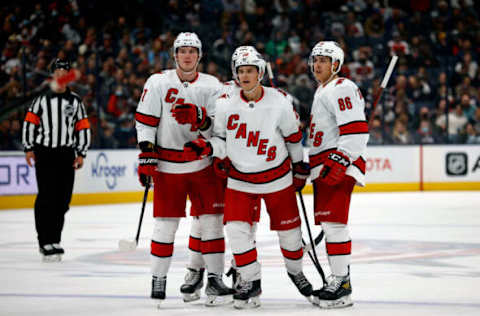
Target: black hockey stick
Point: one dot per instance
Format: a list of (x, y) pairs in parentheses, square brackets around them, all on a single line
[(127, 245), (314, 258)]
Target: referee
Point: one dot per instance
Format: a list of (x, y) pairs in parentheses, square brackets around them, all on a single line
[(56, 136)]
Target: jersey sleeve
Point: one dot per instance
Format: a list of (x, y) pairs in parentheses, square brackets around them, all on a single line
[(31, 124), (348, 106), (149, 109), (82, 131), (218, 140), (290, 129)]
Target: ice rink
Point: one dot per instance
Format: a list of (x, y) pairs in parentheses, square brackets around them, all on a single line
[(413, 254)]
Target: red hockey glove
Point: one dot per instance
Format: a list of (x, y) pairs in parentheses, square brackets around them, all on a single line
[(334, 168), (221, 167), (200, 148), (301, 171), (147, 165), (188, 113)]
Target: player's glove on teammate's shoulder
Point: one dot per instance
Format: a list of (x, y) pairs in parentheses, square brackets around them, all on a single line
[(334, 168), (188, 113)]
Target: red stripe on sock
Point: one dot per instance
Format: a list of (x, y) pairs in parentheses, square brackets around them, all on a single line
[(194, 244), (160, 249), (213, 246), (292, 255), (243, 259), (339, 248)]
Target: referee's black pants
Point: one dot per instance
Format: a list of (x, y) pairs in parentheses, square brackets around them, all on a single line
[(55, 176)]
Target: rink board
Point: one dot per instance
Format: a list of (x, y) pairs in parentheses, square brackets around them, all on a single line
[(110, 176)]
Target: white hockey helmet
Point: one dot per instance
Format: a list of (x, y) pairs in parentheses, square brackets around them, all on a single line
[(237, 53), (330, 49), (249, 58), (187, 39)]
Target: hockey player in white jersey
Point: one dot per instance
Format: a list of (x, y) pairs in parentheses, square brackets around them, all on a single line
[(176, 107), (257, 129), (338, 135)]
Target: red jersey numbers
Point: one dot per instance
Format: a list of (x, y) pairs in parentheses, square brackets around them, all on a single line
[(316, 136), (252, 138), (344, 104), (144, 93)]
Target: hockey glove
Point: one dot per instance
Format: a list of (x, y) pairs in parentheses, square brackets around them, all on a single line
[(301, 171), (188, 113), (221, 167), (199, 148), (334, 168), (147, 163)]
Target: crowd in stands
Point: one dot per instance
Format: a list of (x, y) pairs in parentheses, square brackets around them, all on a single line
[(433, 95)]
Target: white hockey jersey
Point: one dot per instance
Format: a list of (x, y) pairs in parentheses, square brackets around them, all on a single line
[(337, 121), (261, 138), (155, 123)]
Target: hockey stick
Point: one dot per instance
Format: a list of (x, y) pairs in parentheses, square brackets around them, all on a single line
[(314, 258), (383, 85), (270, 75), (127, 245)]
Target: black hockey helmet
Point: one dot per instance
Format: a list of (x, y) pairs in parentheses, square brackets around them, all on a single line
[(60, 63)]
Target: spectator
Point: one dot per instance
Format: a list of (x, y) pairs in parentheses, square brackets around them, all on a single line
[(456, 123), (400, 134)]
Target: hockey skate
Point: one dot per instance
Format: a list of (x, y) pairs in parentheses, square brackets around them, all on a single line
[(192, 286), (336, 294), (217, 292), (302, 284), (58, 248), (159, 285), (50, 254), (248, 294)]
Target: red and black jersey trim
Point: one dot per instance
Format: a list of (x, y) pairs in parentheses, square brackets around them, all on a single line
[(175, 155), (292, 255), (295, 137), (319, 158), (146, 119), (339, 248), (262, 177), (354, 127), (162, 250), (245, 258), (213, 246)]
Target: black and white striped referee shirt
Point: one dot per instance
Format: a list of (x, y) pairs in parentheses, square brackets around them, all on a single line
[(57, 120)]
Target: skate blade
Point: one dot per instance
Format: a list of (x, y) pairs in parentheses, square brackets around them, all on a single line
[(52, 258), (253, 302), (342, 302), (215, 300), (191, 297)]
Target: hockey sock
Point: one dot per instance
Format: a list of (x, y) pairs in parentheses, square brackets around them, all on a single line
[(213, 242), (339, 247), (194, 246), (244, 250), (291, 247), (162, 245)]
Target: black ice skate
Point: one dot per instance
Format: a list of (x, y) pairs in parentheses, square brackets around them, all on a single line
[(336, 294), (58, 248), (50, 254), (248, 294), (159, 285), (192, 286), (302, 284), (217, 292)]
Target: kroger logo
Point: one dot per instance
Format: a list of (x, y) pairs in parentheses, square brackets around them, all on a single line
[(101, 169)]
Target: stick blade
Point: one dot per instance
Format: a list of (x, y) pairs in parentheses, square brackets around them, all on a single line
[(127, 245)]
